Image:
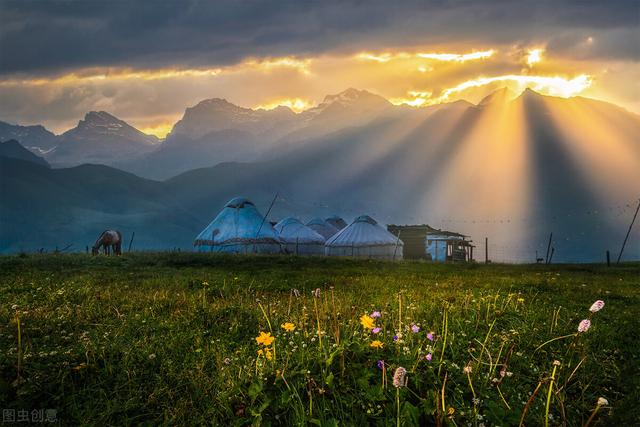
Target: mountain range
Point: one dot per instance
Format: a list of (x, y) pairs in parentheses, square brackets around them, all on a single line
[(513, 168)]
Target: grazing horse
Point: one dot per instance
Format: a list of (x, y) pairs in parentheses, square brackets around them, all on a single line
[(109, 239)]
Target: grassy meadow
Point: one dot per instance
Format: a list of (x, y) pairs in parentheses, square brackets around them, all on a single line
[(180, 338)]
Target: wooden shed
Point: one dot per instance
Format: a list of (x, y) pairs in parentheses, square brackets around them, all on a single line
[(426, 242)]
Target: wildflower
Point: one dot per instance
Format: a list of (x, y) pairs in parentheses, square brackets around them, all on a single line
[(556, 363), (227, 361), (288, 326), (296, 293), (267, 353), (520, 300), (380, 364), (265, 338), (429, 357), (367, 322), (467, 369), (596, 306), (450, 411), (376, 330), (475, 401), (14, 307), (316, 293), (602, 401), (400, 377), (395, 337), (376, 314), (415, 328), (584, 325), (376, 344), (430, 336), (152, 356)]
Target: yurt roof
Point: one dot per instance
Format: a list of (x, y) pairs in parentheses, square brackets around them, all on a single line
[(239, 222), (321, 226), (364, 231), (291, 230), (336, 221)]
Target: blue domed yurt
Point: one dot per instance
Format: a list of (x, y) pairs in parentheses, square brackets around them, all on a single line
[(322, 227), (299, 239), (239, 228), (337, 222), (365, 238)]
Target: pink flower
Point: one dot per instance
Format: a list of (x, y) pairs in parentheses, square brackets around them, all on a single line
[(376, 330), (430, 336), (429, 357), (584, 325), (597, 306), (415, 329), (400, 377), (375, 314)]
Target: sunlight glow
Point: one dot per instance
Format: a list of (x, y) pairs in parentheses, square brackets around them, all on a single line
[(296, 104), (90, 75), (534, 56), (445, 57), (301, 65), (160, 130), (457, 57), (553, 86)]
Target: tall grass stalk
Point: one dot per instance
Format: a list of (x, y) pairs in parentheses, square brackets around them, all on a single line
[(445, 326), (546, 408), (19, 343)]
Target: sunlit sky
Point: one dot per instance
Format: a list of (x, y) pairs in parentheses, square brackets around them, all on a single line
[(145, 63)]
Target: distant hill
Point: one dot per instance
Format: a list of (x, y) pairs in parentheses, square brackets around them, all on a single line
[(45, 208), (101, 138), (13, 150), (35, 138)]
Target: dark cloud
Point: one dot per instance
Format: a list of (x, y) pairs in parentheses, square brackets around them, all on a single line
[(53, 36)]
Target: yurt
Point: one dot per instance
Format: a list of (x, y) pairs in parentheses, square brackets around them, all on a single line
[(299, 239), (239, 228), (365, 238), (337, 222), (322, 227)]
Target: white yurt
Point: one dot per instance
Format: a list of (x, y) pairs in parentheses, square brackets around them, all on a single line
[(365, 238), (337, 222), (322, 227), (299, 239), (239, 228)]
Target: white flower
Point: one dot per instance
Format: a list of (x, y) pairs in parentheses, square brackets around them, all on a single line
[(597, 306), (584, 325), (602, 401)]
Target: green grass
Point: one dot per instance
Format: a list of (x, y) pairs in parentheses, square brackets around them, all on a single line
[(170, 339)]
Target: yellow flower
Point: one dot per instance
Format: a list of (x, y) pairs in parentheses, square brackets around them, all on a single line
[(260, 352), (376, 344), (289, 327), (267, 353), (265, 338), (367, 321), (450, 411), (520, 299)]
